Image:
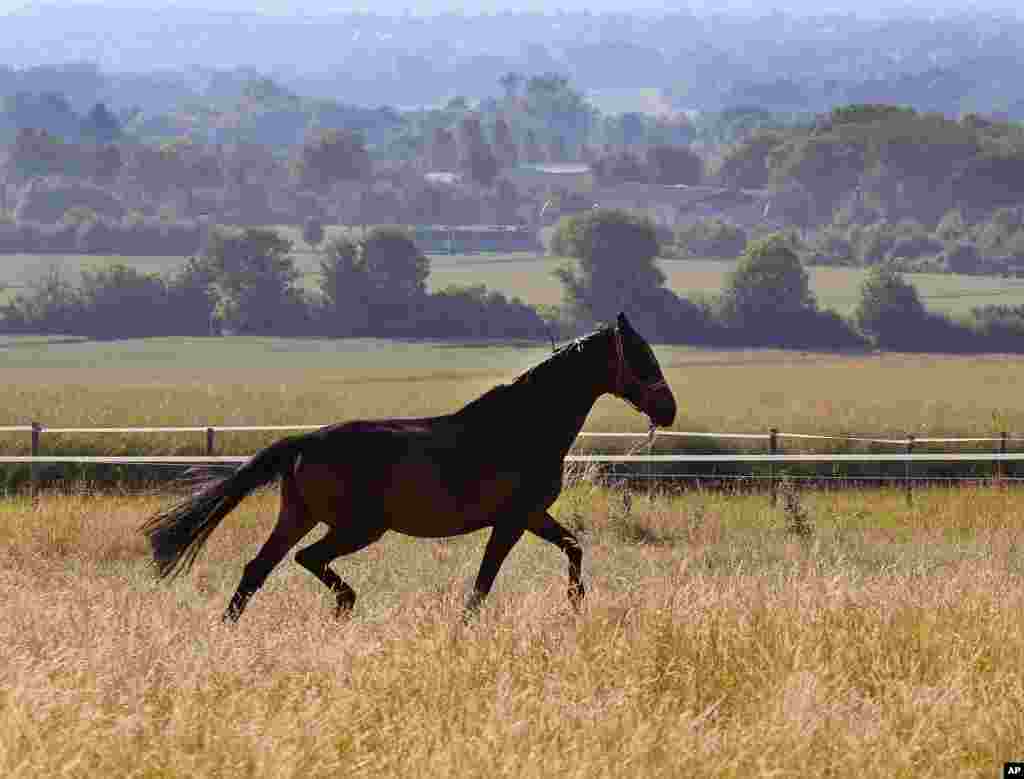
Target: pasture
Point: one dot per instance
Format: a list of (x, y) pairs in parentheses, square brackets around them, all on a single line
[(529, 277), (254, 381), (714, 643)]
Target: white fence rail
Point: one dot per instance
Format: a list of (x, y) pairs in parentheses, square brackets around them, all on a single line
[(771, 438), (822, 457)]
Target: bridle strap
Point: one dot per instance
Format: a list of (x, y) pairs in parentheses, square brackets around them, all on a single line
[(624, 376)]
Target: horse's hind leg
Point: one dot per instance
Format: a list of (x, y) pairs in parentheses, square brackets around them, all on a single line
[(316, 558), (293, 522), (503, 537), (543, 525)]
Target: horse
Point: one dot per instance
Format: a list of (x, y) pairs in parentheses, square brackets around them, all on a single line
[(495, 463)]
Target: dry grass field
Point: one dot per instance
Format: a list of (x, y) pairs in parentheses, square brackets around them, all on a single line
[(714, 643)]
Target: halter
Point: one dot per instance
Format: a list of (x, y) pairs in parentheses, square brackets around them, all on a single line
[(624, 376)]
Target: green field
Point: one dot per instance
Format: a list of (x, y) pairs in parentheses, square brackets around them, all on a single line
[(529, 277)]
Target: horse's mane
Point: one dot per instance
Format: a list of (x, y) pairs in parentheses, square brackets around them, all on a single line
[(504, 392)]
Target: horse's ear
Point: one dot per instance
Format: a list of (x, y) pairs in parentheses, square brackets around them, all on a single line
[(551, 335), (623, 323)]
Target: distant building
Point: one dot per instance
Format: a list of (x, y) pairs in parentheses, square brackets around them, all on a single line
[(681, 204), (445, 177), (570, 176), (474, 239)]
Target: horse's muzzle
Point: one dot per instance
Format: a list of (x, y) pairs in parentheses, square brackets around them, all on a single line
[(661, 408)]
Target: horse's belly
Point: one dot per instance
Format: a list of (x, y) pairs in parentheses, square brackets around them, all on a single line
[(421, 502)]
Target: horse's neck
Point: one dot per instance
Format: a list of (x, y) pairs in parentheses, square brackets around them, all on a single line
[(564, 399), (544, 410)]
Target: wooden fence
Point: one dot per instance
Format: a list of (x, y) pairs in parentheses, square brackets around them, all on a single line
[(771, 456)]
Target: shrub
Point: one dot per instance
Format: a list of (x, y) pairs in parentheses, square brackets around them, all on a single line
[(962, 257), (473, 311), (313, 231), (47, 200), (712, 238)]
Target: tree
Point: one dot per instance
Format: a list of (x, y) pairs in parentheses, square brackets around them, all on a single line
[(963, 257), (620, 167), (52, 305), (255, 278), (504, 144), (36, 153), (157, 170), (192, 298), (394, 262), (346, 289), (825, 168), (551, 101), (120, 302), (444, 151), (511, 82), (330, 156), (746, 165), (711, 238), (632, 128), (473, 311), (100, 125), (952, 226), (989, 181), (532, 149), (615, 252), (107, 164), (889, 310), (475, 155), (675, 165), (769, 282), (49, 111), (506, 201), (312, 231), (397, 272), (767, 301)]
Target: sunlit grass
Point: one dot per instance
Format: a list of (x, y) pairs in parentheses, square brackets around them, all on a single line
[(265, 381), (713, 643)]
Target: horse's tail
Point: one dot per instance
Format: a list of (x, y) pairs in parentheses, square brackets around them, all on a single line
[(178, 534)]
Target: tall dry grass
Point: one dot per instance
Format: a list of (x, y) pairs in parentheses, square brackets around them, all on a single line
[(886, 643)]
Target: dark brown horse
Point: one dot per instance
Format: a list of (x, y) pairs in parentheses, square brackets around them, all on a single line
[(495, 463)]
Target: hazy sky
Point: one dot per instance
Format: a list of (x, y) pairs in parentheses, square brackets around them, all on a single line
[(429, 7)]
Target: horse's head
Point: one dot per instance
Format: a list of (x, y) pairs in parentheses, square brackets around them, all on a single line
[(636, 376)]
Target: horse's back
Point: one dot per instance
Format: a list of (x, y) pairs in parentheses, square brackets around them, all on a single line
[(421, 477)]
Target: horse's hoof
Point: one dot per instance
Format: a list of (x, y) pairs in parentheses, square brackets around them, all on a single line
[(576, 595), (472, 610)]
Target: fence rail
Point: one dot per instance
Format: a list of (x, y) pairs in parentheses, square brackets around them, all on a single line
[(772, 439), (585, 434), (822, 457)]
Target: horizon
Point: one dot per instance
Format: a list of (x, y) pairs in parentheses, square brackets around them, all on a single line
[(404, 8)]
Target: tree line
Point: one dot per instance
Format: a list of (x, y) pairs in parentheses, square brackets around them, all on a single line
[(246, 282), (766, 300)]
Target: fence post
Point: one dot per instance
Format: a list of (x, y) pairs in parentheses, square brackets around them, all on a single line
[(773, 448), (1001, 464), (209, 442), (37, 430), (906, 471), (650, 464)]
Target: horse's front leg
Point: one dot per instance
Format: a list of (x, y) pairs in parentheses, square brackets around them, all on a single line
[(543, 525)]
